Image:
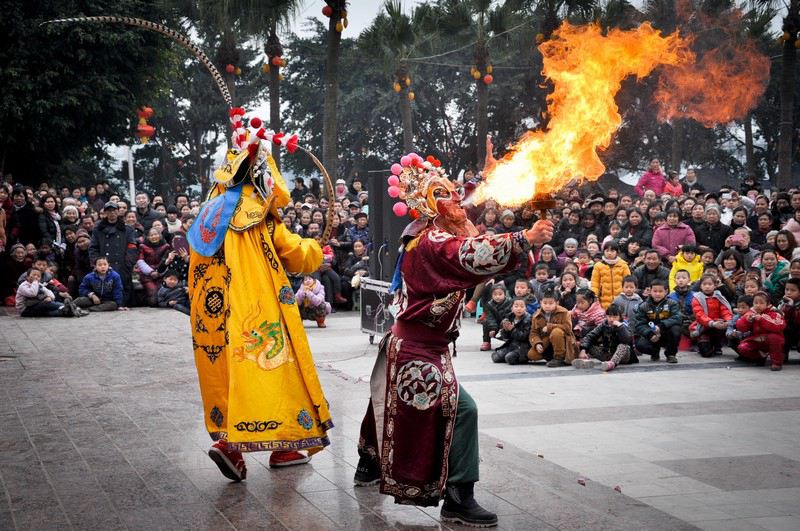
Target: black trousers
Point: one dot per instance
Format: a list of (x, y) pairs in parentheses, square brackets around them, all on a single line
[(668, 341)]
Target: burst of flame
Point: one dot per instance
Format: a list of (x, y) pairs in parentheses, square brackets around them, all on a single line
[(725, 84), (587, 69)]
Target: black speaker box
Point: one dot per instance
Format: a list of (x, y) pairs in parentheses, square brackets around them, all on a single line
[(384, 227)]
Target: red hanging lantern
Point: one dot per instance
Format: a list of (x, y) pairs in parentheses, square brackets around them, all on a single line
[(229, 68), (327, 11)]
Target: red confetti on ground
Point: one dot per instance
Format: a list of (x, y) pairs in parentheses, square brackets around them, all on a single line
[(618, 489), (582, 482), (499, 445)]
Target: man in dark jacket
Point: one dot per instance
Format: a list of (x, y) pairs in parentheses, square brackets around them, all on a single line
[(649, 271), (23, 227), (117, 242), (144, 213), (712, 233), (658, 324)]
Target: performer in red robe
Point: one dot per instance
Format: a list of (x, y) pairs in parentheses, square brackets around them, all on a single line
[(419, 437)]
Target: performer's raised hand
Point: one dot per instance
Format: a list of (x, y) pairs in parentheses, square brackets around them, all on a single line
[(541, 232)]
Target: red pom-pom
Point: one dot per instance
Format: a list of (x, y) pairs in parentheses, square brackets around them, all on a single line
[(234, 111), (437, 163), (242, 139), (276, 138), (255, 122), (252, 149), (430, 158), (262, 134), (414, 214), (291, 145)]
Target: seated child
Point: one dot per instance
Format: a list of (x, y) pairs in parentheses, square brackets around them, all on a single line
[(611, 343), (658, 324), (587, 313), (566, 289), (790, 308), (628, 300), (608, 273), (683, 295), (766, 326), (101, 289), (173, 293), (551, 333), (712, 312), (497, 308), (522, 289), (311, 301), (514, 330), (33, 299), (743, 305), (541, 280), (686, 259)]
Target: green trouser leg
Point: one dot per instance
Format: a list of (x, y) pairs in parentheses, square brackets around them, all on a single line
[(464, 461)]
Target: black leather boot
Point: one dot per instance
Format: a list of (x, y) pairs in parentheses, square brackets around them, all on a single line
[(460, 507), (368, 472)]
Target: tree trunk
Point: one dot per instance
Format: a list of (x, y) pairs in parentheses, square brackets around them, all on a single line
[(405, 114), (482, 121), (677, 144), (749, 158), (329, 127), (786, 127)]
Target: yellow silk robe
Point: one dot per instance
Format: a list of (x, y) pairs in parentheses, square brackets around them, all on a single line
[(258, 382)]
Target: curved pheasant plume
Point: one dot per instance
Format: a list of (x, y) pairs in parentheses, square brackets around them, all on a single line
[(183, 40)]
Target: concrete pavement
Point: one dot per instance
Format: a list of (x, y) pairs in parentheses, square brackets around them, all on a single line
[(102, 429)]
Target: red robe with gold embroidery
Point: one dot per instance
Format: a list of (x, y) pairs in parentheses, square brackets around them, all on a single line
[(416, 405)]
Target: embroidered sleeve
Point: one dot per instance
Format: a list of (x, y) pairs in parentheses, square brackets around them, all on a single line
[(486, 255)]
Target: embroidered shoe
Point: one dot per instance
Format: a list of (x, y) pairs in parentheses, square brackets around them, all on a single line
[(471, 306), (230, 462), (367, 472), (279, 459)]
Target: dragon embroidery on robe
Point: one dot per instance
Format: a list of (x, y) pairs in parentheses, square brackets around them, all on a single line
[(263, 344)]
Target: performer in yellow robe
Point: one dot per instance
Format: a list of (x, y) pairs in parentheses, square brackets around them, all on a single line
[(257, 378)]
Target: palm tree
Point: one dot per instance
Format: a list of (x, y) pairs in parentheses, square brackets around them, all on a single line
[(393, 37), (338, 10)]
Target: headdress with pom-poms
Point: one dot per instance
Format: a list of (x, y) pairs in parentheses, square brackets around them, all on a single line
[(410, 181)]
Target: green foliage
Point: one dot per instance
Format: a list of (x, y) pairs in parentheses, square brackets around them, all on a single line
[(69, 89)]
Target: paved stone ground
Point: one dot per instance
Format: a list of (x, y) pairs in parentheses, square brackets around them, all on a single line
[(102, 429)]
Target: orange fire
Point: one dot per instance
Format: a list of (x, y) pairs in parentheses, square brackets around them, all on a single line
[(725, 84), (587, 69)]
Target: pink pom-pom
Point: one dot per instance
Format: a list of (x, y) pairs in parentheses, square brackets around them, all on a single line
[(415, 156), (393, 180), (394, 191), (400, 209), (405, 160), (255, 122), (397, 169)]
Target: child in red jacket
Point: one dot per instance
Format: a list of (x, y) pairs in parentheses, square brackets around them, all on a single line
[(712, 312), (766, 326)]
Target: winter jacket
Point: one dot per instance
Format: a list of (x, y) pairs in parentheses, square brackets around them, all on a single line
[(582, 321), (771, 322), (675, 190), (519, 334), (667, 240), (107, 288), (540, 288), (608, 337), (664, 314), (645, 276), (151, 255), (627, 304), (642, 233), (607, 280), (774, 282), (567, 300), (117, 242), (495, 312), (684, 298), (49, 227), (531, 303), (713, 236), (651, 181), (711, 308), (147, 218), (313, 298), (695, 268), (30, 293), (23, 226), (177, 294), (560, 318)]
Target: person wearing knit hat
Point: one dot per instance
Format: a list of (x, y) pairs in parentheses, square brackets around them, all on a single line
[(82, 233)]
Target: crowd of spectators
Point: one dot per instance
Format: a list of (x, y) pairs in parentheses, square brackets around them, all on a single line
[(670, 267), (69, 251)]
